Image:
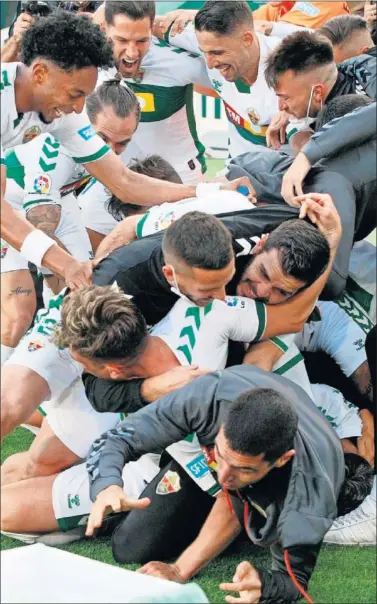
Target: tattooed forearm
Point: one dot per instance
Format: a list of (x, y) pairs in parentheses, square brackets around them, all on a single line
[(45, 217), (20, 290)]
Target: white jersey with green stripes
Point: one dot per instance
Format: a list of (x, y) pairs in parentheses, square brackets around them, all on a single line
[(74, 131), (164, 88), (41, 172), (249, 109), (200, 336)]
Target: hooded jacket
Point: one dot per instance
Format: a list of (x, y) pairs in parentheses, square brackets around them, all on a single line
[(298, 510)]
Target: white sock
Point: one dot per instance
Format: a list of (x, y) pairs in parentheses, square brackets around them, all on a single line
[(6, 352)]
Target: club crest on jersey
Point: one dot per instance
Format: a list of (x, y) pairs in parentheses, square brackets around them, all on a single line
[(253, 116), (31, 133), (170, 483), (37, 345), (42, 184), (139, 76)]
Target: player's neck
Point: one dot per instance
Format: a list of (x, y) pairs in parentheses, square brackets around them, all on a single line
[(250, 77), (156, 358), (23, 90)]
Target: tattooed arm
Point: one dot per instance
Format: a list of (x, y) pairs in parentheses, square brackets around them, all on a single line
[(46, 217)]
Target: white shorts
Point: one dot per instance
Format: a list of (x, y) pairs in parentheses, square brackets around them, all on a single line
[(337, 335), (342, 415), (71, 233), (93, 203), (38, 352), (70, 491), (74, 421)]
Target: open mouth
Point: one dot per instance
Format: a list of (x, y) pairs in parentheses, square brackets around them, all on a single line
[(58, 112), (129, 64)]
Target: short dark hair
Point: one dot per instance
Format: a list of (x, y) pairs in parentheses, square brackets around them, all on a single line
[(101, 323), (340, 106), (113, 93), (153, 166), (261, 421), (340, 28), (223, 18), (357, 483), (303, 250), (68, 40), (200, 241), (136, 11), (300, 52)]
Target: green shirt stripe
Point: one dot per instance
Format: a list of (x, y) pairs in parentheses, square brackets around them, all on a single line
[(262, 318), (91, 158), (289, 364)]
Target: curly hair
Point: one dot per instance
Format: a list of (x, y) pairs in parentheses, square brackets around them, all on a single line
[(70, 41), (101, 324)]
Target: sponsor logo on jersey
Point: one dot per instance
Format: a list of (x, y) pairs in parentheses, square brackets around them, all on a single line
[(253, 115), (33, 346), (87, 133), (307, 8), (234, 301), (198, 467), (42, 184), (31, 133), (170, 483), (236, 119), (4, 249), (146, 101), (73, 500), (138, 78)]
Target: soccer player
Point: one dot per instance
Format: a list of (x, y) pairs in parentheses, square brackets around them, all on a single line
[(60, 76), (162, 77), (39, 175), (304, 75), (235, 56)]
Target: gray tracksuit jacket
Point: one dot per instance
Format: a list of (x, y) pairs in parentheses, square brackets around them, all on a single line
[(300, 502)]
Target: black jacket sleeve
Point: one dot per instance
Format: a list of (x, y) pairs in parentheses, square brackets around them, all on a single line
[(277, 585), (114, 397), (351, 130)]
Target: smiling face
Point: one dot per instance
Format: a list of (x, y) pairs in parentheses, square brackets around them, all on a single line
[(264, 279), (131, 41), (57, 92), (115, 131), (229, 54)]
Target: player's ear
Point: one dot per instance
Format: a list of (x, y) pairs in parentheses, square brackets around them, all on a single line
[(39, 73), (285, 458), (248, 38), (260, 245), (167, 269)]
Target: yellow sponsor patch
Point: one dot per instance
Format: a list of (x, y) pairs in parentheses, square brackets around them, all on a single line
[(146, 100)]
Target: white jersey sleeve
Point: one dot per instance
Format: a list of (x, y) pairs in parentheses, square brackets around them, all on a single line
[(243, 320), (41, 168), (158, 218), (76, 133), (186, 40)]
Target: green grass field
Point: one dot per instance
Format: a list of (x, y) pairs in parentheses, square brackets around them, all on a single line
[(343, 575)]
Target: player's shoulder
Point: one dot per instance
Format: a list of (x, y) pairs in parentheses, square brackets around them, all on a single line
[(235, 302), (8, 76)]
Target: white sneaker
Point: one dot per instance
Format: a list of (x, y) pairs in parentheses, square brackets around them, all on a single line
[(355, 528)]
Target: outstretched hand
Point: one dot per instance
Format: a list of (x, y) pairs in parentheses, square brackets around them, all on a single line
[(112, 499)]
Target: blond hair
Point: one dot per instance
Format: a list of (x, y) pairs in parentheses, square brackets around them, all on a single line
[(101, 323)]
